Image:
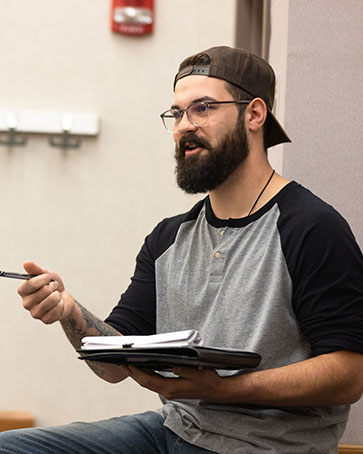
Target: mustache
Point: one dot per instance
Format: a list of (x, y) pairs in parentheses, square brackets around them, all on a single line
[(196, 140)]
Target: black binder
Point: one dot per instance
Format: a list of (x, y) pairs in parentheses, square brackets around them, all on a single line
[(164, 358)]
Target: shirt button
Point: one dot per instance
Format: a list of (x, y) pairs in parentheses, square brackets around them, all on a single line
[(222, 232), (218, 255)]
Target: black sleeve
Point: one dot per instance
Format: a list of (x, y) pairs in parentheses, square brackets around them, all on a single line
[(326, 267), (135, 312)]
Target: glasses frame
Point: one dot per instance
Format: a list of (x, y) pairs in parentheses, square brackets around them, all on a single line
[(183, 111)]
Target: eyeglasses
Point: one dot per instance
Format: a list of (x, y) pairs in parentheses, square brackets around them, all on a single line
[(198, 113)]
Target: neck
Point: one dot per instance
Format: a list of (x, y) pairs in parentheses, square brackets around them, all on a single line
[(237, 195)]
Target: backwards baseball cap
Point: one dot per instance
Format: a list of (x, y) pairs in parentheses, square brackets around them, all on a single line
[(245, 70)]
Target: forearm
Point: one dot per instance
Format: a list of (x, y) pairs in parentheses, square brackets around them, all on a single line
[(81, 323), (46, 298), (331, 379)]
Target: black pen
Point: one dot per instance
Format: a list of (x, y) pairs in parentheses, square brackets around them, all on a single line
[(18, 275)]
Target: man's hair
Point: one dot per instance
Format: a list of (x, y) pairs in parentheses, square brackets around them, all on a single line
[(239, 94)]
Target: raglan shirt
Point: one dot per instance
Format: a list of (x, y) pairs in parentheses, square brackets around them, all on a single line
[(285, 282)]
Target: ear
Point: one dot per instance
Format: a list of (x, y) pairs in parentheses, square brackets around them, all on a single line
[(255, 116)]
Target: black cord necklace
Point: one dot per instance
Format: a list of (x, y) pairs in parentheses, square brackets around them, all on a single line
[(263, 190)]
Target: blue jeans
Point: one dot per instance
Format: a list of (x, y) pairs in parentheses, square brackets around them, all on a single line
[(136, 434)]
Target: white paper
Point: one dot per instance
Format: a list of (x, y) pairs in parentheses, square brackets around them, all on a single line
[(173, 339)]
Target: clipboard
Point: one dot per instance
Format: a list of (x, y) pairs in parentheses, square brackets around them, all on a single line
[(164, 358)]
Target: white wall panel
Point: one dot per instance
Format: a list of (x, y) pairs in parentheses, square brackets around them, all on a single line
[(86, 212)]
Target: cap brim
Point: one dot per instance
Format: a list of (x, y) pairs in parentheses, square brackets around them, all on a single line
[(274, 132)]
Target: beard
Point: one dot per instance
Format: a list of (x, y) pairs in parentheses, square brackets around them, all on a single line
[(200, 174)]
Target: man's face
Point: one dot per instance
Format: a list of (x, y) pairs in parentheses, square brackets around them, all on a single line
[(207, 155)]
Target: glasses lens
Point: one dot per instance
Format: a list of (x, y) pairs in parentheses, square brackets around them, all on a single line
[(169, 118), (198, 113)]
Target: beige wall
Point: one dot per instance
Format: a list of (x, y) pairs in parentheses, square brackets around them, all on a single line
[(85, 212), (316, 47)]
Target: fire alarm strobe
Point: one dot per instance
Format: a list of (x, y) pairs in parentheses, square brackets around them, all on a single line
[(132, 17)]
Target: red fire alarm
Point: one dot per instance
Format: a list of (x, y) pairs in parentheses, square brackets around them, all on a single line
[(132, 17)]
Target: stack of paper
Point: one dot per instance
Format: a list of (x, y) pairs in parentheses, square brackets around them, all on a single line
[(175, 339)]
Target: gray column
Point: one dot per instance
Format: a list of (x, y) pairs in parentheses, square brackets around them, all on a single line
[(323, 99)]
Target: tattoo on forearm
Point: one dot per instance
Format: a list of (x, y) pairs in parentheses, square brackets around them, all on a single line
[(102, 328), (87, 325)]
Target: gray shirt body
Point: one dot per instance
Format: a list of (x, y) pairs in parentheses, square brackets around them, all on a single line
[(254, 285)]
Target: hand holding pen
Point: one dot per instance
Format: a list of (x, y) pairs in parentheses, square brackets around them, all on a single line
[(43, 293)]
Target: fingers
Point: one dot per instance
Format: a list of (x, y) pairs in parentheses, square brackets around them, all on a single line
[(190, 383), (33, 268), (42, 298), (188, 372), (34, 284), (142, 375), (170, 387), (149, 380)]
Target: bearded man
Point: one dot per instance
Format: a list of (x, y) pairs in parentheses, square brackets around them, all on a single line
[(260, 264)]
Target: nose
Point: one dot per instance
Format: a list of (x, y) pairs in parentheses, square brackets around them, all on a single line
[(184, 125)]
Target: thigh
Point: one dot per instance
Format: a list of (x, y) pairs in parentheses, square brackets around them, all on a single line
[(176, 445), (136, 434)]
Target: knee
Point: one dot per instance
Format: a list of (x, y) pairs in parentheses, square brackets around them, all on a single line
[(5, 441), (11, 442)]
